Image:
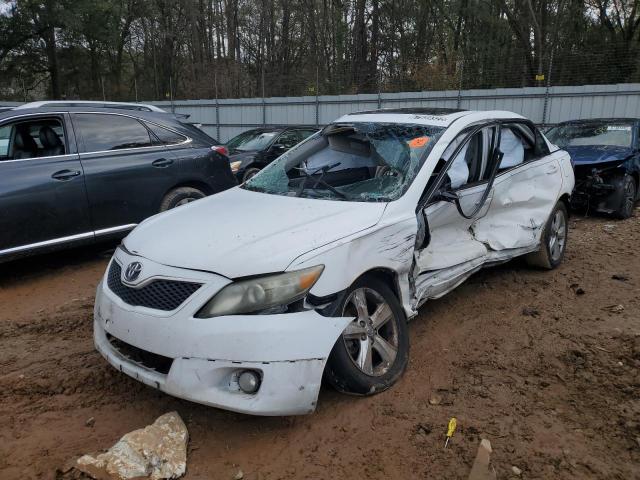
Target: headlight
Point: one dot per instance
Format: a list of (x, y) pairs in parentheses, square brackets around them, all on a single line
[(235, 166), (260, 293)]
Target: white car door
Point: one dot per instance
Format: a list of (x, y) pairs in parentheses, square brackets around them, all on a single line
[(452, 252), (525, 191)]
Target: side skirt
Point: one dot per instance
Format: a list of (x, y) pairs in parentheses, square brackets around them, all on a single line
[(432, 284)]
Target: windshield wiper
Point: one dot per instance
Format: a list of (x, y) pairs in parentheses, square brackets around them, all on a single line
[(319, 181)]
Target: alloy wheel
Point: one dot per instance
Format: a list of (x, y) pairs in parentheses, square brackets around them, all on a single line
[(557, 235), (372, 338)]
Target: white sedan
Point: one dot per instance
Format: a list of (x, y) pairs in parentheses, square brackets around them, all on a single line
[(247, 299)]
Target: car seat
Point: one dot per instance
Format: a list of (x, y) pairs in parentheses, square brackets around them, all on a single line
[(51, 143), (24, 146)]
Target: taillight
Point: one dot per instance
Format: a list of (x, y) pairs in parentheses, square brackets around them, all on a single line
[(221, 150)]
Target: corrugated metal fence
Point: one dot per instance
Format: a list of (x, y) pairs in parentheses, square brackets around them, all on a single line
[(225, 118)]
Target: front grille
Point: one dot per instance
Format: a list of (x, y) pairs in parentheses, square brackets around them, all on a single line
[(153, 361), (159, 294)]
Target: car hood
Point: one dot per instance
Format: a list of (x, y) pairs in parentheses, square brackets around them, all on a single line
[(592, 154), (238, 232)]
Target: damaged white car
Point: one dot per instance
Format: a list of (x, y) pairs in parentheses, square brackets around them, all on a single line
[(247, 299)]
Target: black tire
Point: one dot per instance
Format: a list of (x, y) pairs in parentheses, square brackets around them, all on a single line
[(180, 196), (628, 195), (547, 257), (249, 173), (341, 370)]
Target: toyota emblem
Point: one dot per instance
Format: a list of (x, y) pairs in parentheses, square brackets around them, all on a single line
[(133, 271)]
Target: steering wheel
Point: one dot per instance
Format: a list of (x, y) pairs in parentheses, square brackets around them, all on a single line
[(388, 171)]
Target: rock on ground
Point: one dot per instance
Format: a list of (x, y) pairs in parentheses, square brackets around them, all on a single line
[(480, 469), (157, 451)]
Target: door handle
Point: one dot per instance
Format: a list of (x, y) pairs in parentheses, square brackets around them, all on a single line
[(65, 174), (551, 169), (162, 163)]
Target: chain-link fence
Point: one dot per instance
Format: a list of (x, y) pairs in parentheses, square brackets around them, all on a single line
[(559, 85), (610, 63)]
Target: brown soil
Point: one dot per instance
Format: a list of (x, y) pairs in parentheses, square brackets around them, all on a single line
[(540, 363)]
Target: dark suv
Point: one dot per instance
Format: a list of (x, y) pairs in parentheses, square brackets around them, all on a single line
[(251, 151), (79, 174)]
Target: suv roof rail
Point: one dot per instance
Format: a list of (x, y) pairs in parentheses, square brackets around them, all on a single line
[(141, 107)]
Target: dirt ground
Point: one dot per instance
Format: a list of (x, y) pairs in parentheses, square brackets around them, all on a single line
[(543, 364)]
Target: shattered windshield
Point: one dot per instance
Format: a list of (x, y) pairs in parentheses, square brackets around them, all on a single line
[(591, 134), (360, 162)]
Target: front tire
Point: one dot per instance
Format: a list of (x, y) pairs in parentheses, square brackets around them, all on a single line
[(553, 241), (373, 351), (629, 191), (180, 196)]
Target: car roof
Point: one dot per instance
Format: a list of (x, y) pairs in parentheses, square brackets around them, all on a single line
[(599, 120), (158, 116), (442, 117), (90, 103), (414, 110)]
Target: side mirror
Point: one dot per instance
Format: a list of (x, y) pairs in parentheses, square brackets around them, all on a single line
[(278, 148)]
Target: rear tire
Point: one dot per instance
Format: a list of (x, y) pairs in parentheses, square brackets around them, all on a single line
[(628, 197), (553, 242), (373, 351), (180, 196)]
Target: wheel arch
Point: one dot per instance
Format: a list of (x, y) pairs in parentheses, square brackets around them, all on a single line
[(387, 275), (199, 185), (566, 199), (636, 176)]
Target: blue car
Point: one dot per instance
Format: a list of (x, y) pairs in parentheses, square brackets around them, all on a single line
[(606, 157)]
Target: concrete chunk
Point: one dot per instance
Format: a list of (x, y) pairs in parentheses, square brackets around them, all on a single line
[(157, 451)]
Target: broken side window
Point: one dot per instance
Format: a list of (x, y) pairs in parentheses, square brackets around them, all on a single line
[(512, 146)]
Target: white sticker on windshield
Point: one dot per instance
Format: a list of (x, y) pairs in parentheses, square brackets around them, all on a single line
[(622, 128)]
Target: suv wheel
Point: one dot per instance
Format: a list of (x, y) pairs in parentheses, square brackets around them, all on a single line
[(180, 196), (373, 351), (554, 240)]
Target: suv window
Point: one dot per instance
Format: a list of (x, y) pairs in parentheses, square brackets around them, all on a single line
[(102, 132), (5, 136), (165, 136), (32, 138)]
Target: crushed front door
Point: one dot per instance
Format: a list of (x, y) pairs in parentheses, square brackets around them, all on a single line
[(452, 252)]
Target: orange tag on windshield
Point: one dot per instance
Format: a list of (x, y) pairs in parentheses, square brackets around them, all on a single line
[(419, 142)]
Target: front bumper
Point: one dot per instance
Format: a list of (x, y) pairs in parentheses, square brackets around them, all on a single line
[(289, 350), (601, 195)]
